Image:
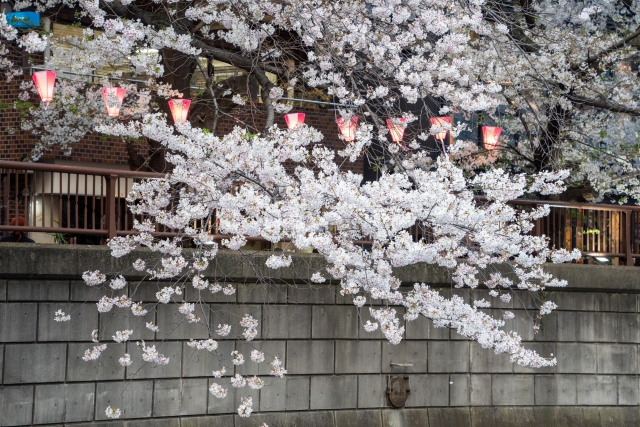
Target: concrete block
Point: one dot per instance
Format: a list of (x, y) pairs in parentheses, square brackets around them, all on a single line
[(134, 398), (372, 391), (522, 324), (174, 326), (3, 290), (619, 416), (34, 363), (627, 303), (286, 321), (606, 327), (459, 390), (406, 353), (628, 391), (309, 419), (621, 303), (350, 354), (310, 357), (555, 390), (334, 322), (545, 415), (297, 398), (617, 358), (38, 290), (273, 395), (481, 389), (200, 363), (628, 328), (58, 403), (448, 356), (576, 358), (106, 367), (578, 417), (514, 416), (597, 390), (12, 315), (576, 301), (1, 362), (482, 417), (121, 320), (261, 293), (544, 349), (219, 421), (271, 349), (445, 417), (405, 418), (261, 419), (171, 422), (140, 369), (80, 292), (232, 315), (334, 392), (576, 326), (422, 329), (486, 361), (428, 390), (84, 320), (180, 397), (16, 405), (311, 294), (370, 418), (517, 390), (192, 294), (548, 328)]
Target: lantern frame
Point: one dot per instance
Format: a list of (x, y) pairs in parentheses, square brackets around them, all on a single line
[(294, 120), (179, 110), (45, 82), (347, 128), (396, 130), (491, 137), (439, 121), (113, 93)]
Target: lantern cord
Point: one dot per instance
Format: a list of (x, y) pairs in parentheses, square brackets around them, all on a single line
[(309, 101)]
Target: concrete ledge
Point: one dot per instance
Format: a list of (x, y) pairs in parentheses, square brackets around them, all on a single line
[(28, 261)]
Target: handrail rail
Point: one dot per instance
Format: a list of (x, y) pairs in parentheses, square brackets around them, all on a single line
[(81, 170)]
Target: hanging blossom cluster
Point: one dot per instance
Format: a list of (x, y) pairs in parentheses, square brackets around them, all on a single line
[(150, 353), (318, 205)]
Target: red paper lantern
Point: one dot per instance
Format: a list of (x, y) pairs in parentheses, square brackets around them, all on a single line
[(45, 82), (179, 110), (440, 121), (113, 97), (348, 128), (396, 128), (294, 120), (490, 136)]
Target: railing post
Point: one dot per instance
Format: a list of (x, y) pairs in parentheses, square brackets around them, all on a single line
[(111, 206), (628, 237)]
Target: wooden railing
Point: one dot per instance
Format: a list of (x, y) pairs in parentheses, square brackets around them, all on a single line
[(88, 205)]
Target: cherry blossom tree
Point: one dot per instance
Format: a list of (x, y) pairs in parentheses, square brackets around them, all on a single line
[(556, 74)]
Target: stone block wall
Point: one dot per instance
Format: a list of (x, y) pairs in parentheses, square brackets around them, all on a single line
[(336, 371)]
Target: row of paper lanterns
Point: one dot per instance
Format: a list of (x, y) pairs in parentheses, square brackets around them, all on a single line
[(114, 96), (347, 128)]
